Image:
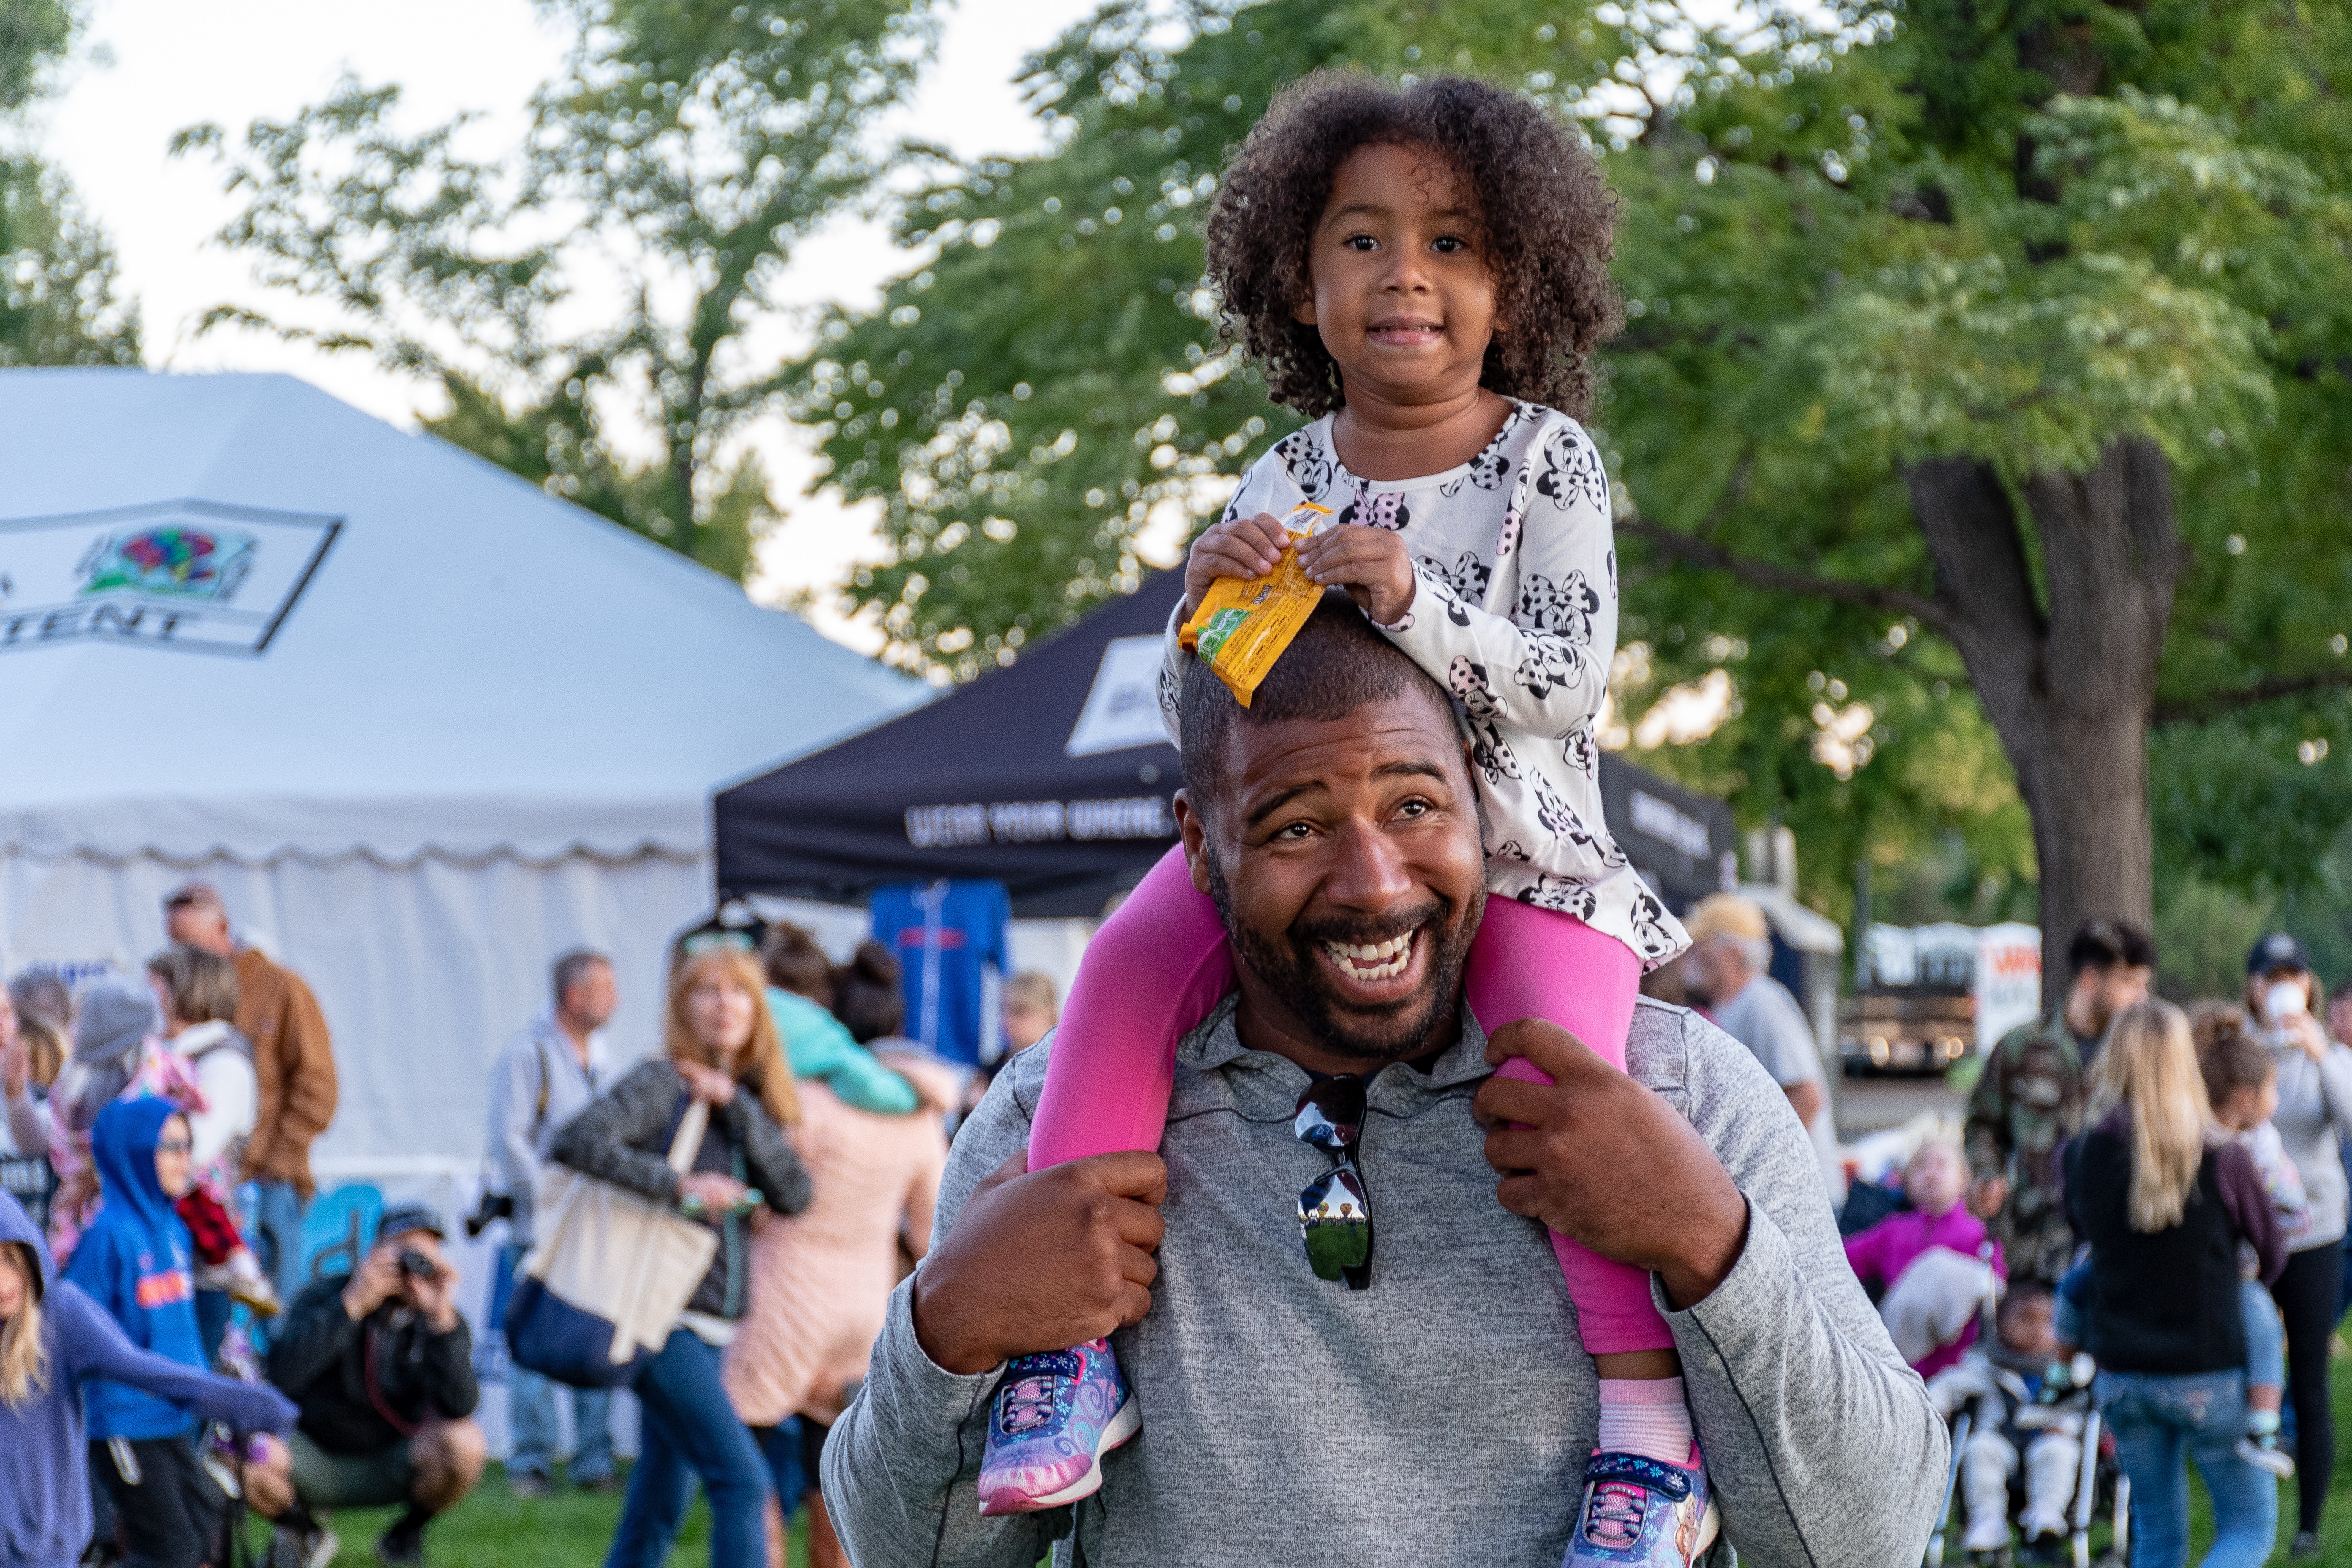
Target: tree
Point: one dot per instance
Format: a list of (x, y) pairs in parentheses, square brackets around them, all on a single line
[(682, 154), (2039, 328), (1969, 349), (60, 299)]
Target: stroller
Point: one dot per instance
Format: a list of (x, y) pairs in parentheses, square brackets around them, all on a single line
[(1989, 1398)]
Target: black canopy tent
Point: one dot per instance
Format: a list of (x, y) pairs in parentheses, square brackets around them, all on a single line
[(1051, 777)]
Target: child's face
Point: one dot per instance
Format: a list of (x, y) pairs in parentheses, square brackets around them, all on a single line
[(2243, 1110), (172, 1158), (13, 1283), (1934, 1180), (1025, 1024), (2030, 1327), (1402, 297)]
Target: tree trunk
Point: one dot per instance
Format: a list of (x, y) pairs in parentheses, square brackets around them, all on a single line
[(2068, 680)]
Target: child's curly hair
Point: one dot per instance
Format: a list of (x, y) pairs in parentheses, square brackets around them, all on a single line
[(1544, 219)]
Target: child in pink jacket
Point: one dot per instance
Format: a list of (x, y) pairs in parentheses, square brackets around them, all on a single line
[(1956, 1253)]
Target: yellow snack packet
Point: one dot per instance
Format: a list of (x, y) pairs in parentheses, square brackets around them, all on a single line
[(1244, 624)]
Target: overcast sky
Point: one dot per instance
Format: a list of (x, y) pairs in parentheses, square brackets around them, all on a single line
[(149, 68)]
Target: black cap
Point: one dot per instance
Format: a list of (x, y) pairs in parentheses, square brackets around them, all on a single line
[(2277, 951), (401, 1219)]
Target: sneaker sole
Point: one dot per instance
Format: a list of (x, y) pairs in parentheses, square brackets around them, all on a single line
[(1116, 1430), (1710, 1525)]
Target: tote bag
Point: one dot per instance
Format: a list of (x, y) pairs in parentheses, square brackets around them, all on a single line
[(611, 1274)]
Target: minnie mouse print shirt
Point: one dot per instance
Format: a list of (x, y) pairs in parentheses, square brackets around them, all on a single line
[(1514, 613)]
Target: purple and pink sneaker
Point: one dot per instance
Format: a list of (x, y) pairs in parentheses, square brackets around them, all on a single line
[(1052, 1419), (1642, 1510)]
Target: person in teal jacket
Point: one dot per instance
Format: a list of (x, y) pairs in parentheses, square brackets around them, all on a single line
[(819, 1045)]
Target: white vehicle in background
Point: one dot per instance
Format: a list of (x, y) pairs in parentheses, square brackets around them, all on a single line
[(1928, 995)]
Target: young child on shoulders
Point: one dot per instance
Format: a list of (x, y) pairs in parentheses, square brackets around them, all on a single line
[(2241, 1083), (1933, 1260), (1422, 274), (133, 1041)]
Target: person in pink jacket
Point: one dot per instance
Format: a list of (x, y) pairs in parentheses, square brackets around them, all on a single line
[(1960, 1260)]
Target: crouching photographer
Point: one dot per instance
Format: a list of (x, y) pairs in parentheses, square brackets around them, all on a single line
[(382, 1368)]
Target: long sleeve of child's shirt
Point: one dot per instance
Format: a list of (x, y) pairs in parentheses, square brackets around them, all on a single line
[(1514, 616), (1530, 639)]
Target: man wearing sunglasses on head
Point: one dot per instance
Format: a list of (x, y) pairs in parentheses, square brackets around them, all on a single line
[(1406, 1386)]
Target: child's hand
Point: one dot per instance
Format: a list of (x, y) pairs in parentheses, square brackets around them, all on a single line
[(1243, 547), (1369, 563)]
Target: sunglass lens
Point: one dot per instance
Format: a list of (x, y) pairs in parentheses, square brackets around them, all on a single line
[(1336, 1224), (1331, 1112)]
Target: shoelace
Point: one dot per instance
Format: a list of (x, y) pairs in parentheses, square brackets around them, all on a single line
[(1614, 1520), (1028, 1404)]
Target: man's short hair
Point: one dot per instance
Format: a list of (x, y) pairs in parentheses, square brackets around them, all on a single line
[(194, 894), (2102, 944), (202, 986), (571, 968), (1337, 664)]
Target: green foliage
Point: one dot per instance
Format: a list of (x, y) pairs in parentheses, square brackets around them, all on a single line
[(34, 36), (1848, 241), (59, 300), (684, 152)]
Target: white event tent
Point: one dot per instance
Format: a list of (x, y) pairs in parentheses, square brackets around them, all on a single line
[(423, 725)]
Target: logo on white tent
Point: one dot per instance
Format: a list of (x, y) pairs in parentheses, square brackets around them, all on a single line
[(189, 574)]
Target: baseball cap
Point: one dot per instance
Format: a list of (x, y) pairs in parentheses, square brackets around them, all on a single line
[(1727, 914), (2279, 950), (194, 891), (404, 1219)]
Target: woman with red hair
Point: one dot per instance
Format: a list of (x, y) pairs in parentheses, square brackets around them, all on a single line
[(721, 1049)]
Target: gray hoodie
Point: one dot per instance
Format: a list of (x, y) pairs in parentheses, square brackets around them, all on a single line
[(2314, 1116), (1444, 1414)]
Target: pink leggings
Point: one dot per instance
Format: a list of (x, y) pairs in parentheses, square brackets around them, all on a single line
[(1160, 964)]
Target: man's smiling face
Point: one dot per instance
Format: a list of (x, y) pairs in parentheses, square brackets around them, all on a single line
[(1344, 857)]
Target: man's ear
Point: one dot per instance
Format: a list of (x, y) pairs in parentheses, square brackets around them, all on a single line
[(1192, 828)]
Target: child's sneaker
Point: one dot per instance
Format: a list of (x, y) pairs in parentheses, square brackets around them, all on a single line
[(1642, 1510), (2262, 1451), (1052, 1419)]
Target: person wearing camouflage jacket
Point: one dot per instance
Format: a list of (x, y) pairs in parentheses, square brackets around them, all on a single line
[(2029, 1100)]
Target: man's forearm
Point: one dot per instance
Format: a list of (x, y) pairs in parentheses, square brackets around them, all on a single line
[(901, 1464), (1793, 1400)]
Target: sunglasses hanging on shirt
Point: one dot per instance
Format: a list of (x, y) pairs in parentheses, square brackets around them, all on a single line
[(1335, 1218)]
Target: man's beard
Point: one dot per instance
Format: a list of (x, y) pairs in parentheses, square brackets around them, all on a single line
[(1396, 1031)]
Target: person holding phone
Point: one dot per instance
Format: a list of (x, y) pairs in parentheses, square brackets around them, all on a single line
[(2313, 1118)]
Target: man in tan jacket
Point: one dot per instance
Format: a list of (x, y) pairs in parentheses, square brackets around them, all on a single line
[(293, 1066)]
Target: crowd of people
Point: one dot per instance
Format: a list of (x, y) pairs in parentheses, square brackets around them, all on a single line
[(1608, 1313), (2148, 1205), (140, 1410)]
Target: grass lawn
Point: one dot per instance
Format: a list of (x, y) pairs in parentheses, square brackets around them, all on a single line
[(570, 1529), (493, 1529)]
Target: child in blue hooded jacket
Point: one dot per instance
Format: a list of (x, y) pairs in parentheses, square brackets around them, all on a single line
[(55, 1342), (135, 1261)]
